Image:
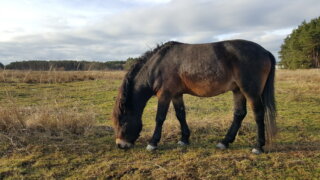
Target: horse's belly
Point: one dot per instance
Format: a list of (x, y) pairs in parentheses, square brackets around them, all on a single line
[(207, 88), (206, 79)]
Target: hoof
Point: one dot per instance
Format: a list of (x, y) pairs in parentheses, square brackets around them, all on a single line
[(181, 143), (221, 146), (256, 151), (151, 148)]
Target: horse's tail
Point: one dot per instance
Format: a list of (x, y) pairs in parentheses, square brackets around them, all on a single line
[(269, 103)]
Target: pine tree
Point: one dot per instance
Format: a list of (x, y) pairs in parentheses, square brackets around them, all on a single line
[(301, 49)]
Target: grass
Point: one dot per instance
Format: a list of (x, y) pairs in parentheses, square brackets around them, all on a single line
[(12, 76), (62, 130)]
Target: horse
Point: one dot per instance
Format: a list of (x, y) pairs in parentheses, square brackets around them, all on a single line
[(204, 70)]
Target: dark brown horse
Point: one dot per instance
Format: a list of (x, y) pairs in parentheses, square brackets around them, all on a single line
[(204, 70)]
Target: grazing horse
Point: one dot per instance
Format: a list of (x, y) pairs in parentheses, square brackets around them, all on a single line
[(204, 70)]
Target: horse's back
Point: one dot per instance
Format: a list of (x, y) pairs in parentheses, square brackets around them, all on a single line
[(214, 68)]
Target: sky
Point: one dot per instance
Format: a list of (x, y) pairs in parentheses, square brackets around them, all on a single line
[(104, 30)]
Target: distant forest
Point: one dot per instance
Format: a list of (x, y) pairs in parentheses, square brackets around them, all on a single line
[(38, 65)]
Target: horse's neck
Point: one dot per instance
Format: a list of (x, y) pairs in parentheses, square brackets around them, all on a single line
[(140, 96)]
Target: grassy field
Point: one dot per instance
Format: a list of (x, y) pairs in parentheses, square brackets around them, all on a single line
[(57, 125)]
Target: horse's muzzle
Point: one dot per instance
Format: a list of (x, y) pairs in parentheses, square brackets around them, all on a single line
[(122, 144)]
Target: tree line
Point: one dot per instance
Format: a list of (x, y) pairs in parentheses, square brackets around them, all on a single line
[(68, 65), (301, 49)]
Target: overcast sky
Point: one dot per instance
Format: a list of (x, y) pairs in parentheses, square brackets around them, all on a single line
[(104, 30)]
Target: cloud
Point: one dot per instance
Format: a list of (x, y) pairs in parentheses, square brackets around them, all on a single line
[(146, 1), (140, 25)]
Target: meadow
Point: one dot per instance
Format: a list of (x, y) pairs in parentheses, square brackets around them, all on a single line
[(57, 125)]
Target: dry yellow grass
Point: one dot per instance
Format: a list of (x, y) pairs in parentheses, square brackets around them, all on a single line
[(19, 125), (299, 83), (12, 76), (299, 76)]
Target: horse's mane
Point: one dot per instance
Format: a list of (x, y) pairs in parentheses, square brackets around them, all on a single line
[(125, 90)]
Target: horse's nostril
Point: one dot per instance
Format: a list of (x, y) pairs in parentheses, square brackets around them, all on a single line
[(123, 144)]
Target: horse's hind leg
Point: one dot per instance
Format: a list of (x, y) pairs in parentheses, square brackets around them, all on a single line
[(258, 110), (240, 111), (181, 116)]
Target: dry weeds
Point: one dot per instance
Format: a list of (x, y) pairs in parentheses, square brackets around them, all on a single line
[(299, 76), (12, 76), (19, 124)]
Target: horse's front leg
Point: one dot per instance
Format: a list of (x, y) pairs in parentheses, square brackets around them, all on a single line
[(163, 105)]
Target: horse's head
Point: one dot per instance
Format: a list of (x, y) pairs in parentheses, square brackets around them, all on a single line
[(127, 129), (126, 120), (129, 106)]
